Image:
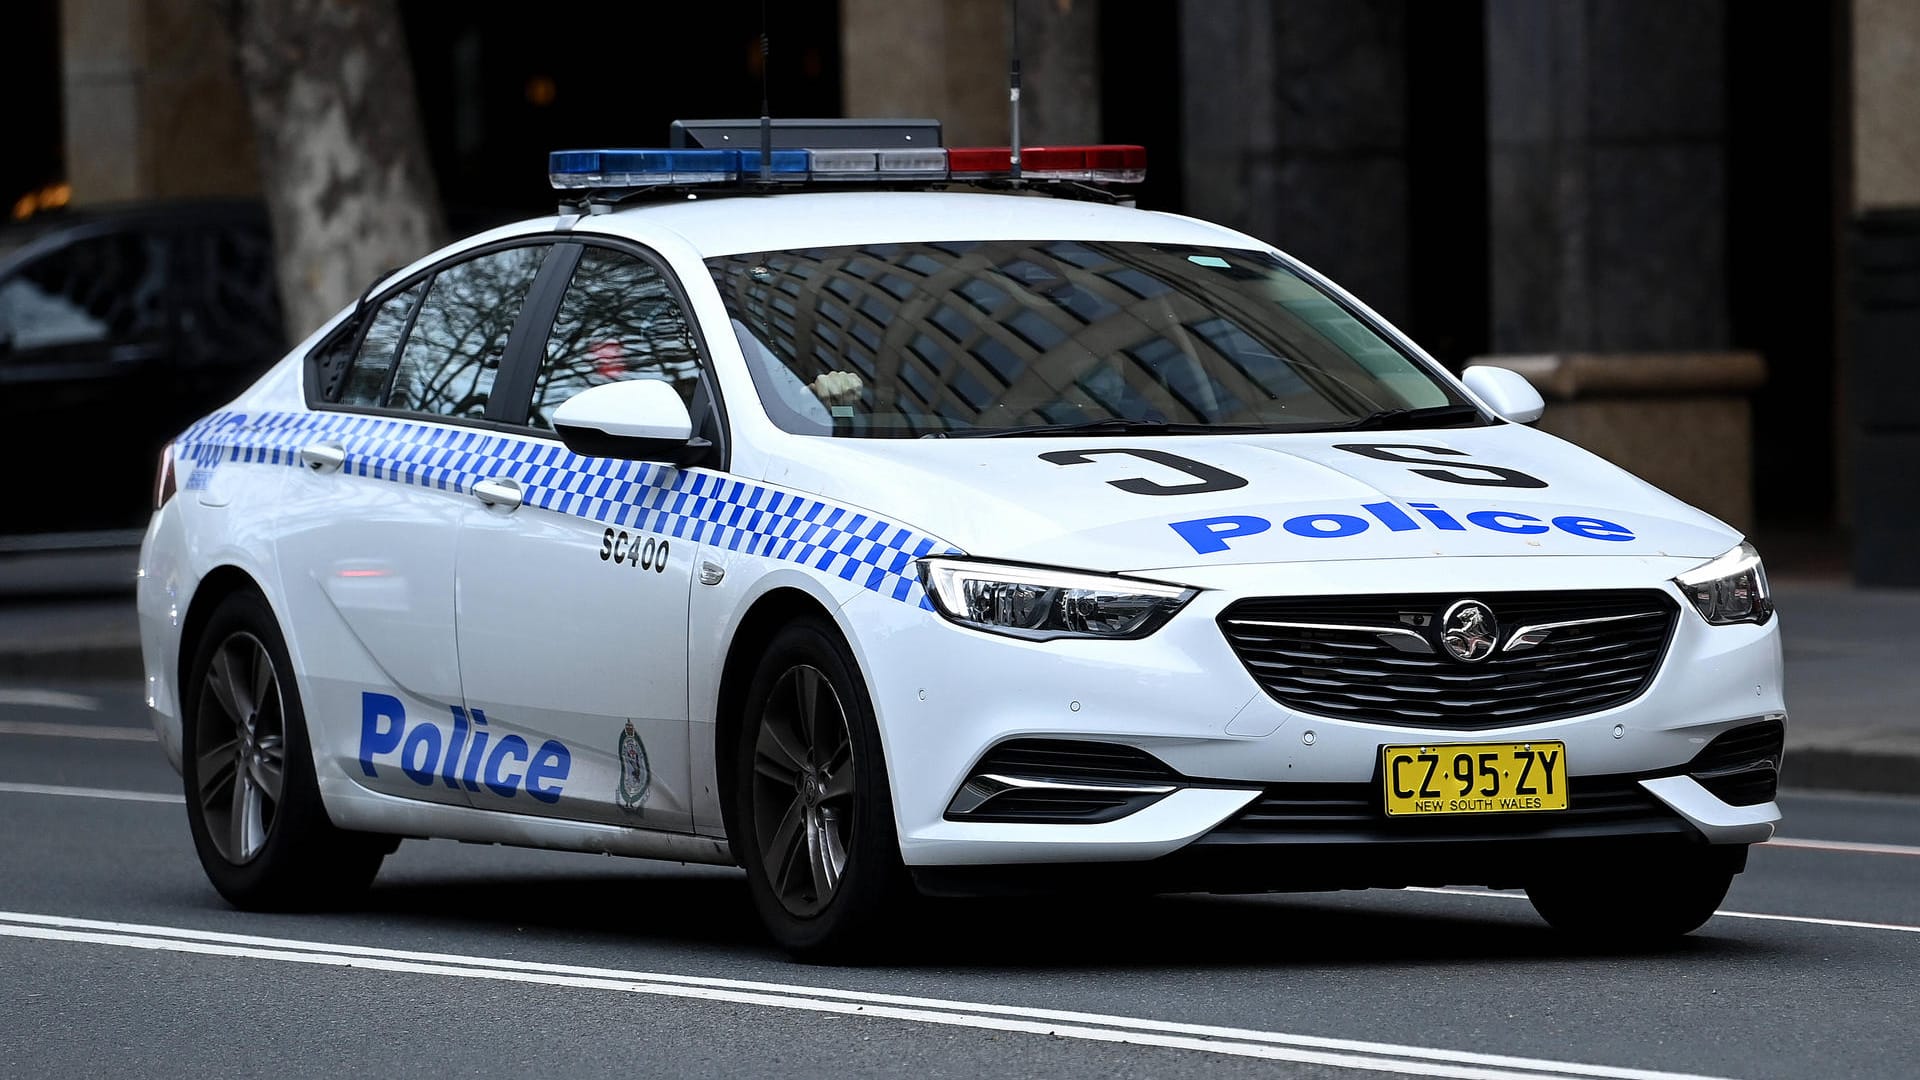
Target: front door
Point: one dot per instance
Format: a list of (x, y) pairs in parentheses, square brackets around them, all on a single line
[(573, 586)]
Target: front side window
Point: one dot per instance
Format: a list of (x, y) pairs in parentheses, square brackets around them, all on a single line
[(1004, 337), (618, 320)]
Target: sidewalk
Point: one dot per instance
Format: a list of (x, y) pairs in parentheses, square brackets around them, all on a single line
[(1853, 685), (1853, 660)]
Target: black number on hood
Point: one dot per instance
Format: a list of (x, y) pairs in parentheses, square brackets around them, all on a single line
[(1206, 477), (1499, 475)]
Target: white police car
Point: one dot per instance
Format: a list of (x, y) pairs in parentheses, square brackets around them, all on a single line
[(878, 522)]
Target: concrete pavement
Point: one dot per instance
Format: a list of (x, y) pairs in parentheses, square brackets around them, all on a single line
[(1853, 658)]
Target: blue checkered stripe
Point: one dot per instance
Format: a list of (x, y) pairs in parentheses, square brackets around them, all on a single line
[(750, 518)]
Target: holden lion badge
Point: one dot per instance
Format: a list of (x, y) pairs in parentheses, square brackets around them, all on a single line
[(635, 776), (1467, 631)]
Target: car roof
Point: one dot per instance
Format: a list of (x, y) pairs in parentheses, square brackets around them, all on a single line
[(730, 225)]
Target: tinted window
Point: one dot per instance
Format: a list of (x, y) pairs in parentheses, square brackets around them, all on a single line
[(618, 320), (372, 362), (229, 300), (330, 360), (108, 288), (453, 352), (1002, 336)]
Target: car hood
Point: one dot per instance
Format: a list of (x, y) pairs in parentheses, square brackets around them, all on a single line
[(1131, 503)]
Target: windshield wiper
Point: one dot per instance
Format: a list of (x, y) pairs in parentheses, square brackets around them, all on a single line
[(1394, 419), (1113, 425)]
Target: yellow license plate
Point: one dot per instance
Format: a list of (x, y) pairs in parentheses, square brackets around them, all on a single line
[(1474, 778)]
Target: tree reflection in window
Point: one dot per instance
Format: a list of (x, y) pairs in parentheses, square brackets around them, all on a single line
[(375, 359), (453, 352), (617, 321)]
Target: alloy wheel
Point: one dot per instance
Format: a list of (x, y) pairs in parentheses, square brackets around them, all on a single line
[(241, 747), (803, 789)]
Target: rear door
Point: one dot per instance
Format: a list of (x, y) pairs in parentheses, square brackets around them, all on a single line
[(369, 527), (573, 587)]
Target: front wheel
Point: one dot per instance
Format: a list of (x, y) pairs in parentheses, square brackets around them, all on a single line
[(813, 815), (253, 802), (1638, 902)]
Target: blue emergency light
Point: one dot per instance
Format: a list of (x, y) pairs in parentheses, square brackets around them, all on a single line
[(568, 169)]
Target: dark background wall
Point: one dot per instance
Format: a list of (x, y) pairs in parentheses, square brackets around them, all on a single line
[(1493, 175), (500, 88), (30, 85)]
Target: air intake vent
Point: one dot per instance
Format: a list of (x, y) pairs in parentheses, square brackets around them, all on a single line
[(1061, 781), (1381, 659), (1742, 767)]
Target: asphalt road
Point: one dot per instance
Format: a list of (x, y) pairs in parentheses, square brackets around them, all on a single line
[(116, 958)]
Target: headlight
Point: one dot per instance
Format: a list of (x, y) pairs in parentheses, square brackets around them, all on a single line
[(1730, 589), (1041, 604)]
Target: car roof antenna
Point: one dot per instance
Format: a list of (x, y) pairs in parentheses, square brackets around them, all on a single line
[(766, 115), (1013, 83)]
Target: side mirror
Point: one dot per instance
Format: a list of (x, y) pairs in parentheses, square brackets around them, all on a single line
[(638, 419), (1506, 392)]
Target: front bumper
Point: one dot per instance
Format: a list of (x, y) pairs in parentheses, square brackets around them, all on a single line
[(946, 695)]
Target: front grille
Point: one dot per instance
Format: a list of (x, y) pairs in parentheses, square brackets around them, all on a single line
[(1596, 805), (1378, 659)]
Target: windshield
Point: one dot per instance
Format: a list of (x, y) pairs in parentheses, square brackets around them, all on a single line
[(1021, 336)]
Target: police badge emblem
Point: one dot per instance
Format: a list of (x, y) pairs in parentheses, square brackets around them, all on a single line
[(635, 775)]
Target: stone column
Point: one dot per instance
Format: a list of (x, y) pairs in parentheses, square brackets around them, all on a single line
[(1294, 123), (1881, 379), (153, 108), (1605, 135)]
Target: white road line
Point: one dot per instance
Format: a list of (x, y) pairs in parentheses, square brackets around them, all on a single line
[(1237, 1042), (49, 699), (1811, 921), (92, 793), (76, 731), (1851, 847), (1849, 924)]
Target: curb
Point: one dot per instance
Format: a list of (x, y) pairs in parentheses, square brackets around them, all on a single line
[(1820, 768)]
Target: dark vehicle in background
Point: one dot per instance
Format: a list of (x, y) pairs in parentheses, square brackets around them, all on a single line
[(118, 327)]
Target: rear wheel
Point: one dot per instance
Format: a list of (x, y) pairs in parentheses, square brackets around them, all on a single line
[(1638, 901), (813, 816), (253, 802)]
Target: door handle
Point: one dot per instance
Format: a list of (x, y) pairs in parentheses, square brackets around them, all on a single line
[(323, 457), (504, 494)]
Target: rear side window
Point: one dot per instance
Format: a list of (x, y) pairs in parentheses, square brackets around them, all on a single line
[(373, 360), (452, 353), (618, 320)]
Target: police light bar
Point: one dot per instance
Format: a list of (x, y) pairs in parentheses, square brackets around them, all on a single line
[(572, 169), (640, 169), (1093, 164)]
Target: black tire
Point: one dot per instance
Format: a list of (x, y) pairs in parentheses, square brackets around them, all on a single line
[(792, 802), (1638, 902), (253, 803)]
